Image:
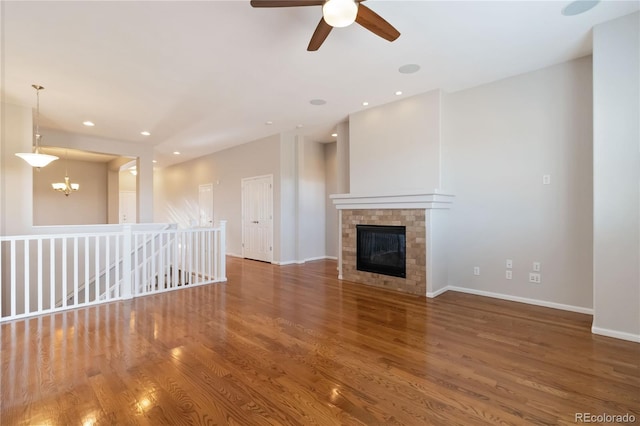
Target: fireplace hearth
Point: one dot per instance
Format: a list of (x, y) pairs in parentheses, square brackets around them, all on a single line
[(381, 250)]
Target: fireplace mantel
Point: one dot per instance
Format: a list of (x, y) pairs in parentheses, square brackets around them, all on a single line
[(408, 200)]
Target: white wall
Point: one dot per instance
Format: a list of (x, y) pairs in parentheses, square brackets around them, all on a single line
[(87, 206), (286, 239), (178, 185), (499, 141), (113, 192), (331, 187), (15, 174), (311, 202), (395, 147), (438, 250), (342, 158), (616, 221)]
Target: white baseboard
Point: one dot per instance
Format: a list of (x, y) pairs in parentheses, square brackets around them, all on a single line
[(286, 262), (526, 300), (233, 255), (300, 262), (616, 334), (311, 259), (437, 293)]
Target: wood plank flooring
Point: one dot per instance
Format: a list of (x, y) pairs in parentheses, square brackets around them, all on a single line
[(293, 345)]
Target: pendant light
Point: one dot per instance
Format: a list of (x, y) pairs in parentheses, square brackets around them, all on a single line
[(66, 187), (35, 158)]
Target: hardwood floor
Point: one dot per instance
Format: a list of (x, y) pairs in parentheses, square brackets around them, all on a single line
[(293, 345)]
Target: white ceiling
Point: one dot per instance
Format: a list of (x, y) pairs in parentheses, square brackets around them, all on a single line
[(202, 76)]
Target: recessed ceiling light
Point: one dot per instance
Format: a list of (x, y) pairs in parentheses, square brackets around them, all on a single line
[(269, 123), (409, 68), (154, 161), (88, 123), (335, 135), (145, 133), (579, 6), (317, 102), (176, 152), (365, 103), (398, 93)]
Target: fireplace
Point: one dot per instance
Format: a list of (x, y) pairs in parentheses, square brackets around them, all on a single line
[(381, 250), (423, 269)]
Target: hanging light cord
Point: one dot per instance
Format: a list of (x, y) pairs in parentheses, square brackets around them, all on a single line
[(38, 88)]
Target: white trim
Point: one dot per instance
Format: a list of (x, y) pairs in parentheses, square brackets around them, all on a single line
[(234, 255), (526, 300), (428, 253), (286, 262), (301, 262), (339, 244), (422, 200), (432, 294), (616, 334), (311, 259)]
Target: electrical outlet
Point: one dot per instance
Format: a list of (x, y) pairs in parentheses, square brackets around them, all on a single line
[(509, 263), (546, 179), (508, 274), (534, 278), (476, 270), (536, 266)]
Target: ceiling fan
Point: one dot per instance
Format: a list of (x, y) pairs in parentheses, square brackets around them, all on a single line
[(338, 13)]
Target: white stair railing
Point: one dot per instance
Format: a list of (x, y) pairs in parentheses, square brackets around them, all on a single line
[(116, 285), (176, 258), (47, 273)]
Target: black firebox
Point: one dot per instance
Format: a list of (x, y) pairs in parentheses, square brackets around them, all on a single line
[(382, 249)]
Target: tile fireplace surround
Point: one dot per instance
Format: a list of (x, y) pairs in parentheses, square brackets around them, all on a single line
[(423, 215)]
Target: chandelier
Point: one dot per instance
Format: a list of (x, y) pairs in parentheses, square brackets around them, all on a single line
[(66, 187), (35, 158)]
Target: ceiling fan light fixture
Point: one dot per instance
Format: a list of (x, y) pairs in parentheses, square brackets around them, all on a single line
[(340, 13)]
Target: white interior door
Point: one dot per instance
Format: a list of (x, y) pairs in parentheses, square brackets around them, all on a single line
[(127, 207), (257, 218), (205, 204)]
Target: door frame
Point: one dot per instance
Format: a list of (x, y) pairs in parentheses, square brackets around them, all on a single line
[(242, 182)]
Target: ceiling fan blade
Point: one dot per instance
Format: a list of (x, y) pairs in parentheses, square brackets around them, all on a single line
[(319, 35), (376, 23), (286, 3)]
